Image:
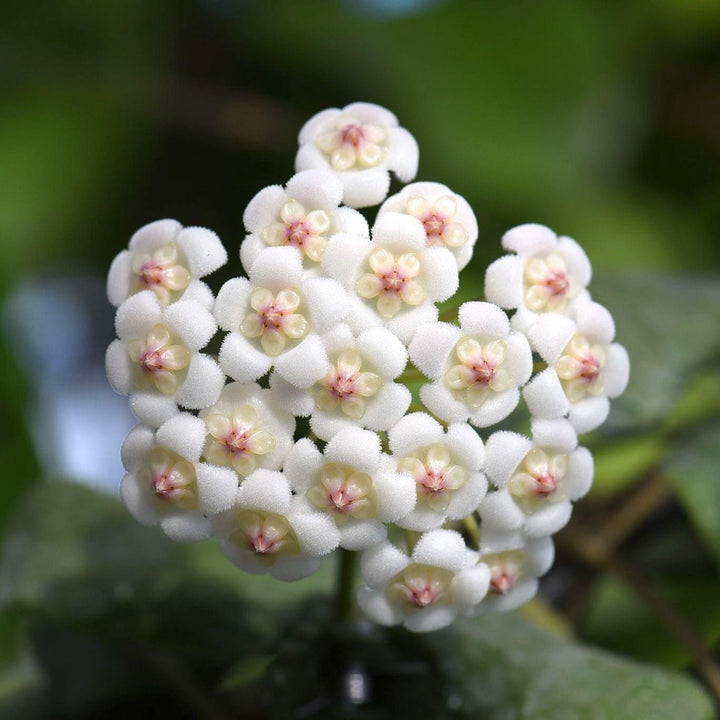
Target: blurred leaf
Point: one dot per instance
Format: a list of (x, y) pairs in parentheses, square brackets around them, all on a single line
[(623, 461), (621, 622), (666, 322), (693, 468), (503, 668)]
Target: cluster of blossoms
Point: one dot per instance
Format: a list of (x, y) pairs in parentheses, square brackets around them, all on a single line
[(328, 322)]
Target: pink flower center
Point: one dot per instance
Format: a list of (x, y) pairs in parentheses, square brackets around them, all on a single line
[(502, 581), (352, 135), (435, 224)]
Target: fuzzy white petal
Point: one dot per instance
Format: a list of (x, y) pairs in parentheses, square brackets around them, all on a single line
[(471, 585), (580, 473), (557, 434), (136, 448), (483, 320), (431, 618), (118, 279), (504, 282), (396, 495), (499, 512), (362, 535), (548, 520), (344, 256), (529, 239), (290, 398), (137, 500), (496, 408), (384, 350), (440, 548), (381, 563), (439, 273), (217, 487), (119, 368), (184, 434), (294, 567), (405, 323), (466, 444), (315, 189), (155, 234), (265, 490), (617, 370), (386, 407), (577, 261), (317, 534), (137, 315), (439, 400), (544, 395), (504, 451), (302, 464), (404, 154), (277, 268), (466, 499), (264, 209), (588, 413), (202, 385), (431, 346), (594, 321), (304, 364), (240, 360), (355, 447), (399, 233), (375, 605), (231, 303), (186, 527), (203, 250), (327, 301), (550, 335), (413, 431), (153, 408)]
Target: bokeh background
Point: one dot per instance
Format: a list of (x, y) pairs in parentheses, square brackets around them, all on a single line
[(599, 119)]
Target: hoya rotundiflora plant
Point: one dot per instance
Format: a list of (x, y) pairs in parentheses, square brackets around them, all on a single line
[(330, 320)]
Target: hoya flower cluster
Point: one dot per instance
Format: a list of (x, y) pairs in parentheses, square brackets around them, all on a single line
[(328, 322)]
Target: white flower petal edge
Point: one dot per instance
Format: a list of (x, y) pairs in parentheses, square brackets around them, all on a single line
[(166, 483), (165, 258), (514, 572), (427, 590), (394, 280), (546, 274), (345, 484), (360, 144), (274, 319), (476, 370), (156, 360), (263, 532), (537, 479), (245, 430), (447, 218), (303, 215), (445, 468), (357, 386), (585, 368)]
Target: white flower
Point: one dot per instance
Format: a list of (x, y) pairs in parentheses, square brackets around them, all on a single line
[(274, 319), (357, 387), (514, 571), (447, 218), (546, 274), (157, 359), (169, 260), (445, 467), (536, 479), (395, 279), (585, 367), (348, 484), (476, 369), (263, 531), (167, 485), (427, 590), (245, 430), (360, 143), (303, 215)]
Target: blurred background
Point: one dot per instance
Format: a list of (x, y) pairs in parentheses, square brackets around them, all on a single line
[(599, 119)]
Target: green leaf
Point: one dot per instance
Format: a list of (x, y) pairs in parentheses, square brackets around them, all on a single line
[(692, 468), (665, 321), (619, 621), (502, 668)]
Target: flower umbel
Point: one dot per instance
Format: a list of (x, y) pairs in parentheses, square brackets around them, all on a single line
[(321, 326)]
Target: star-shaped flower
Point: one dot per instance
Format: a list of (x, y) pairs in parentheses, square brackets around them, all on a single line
[(360, 143)]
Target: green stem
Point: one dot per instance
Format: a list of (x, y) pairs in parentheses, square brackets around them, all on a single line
[(344, 592)]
